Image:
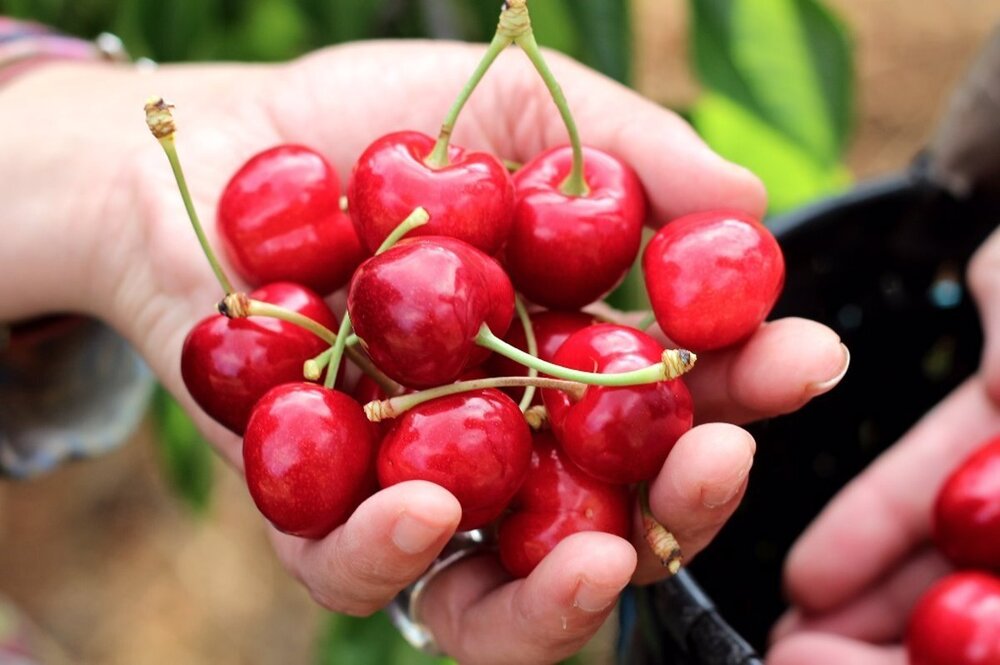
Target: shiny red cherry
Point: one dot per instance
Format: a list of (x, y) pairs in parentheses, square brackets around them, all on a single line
[(470, 199), (309, 458), (564, 251), (557, 500), (475, 444), (619, 435), (280, 220), (712, 278), (551, 329), (967, 511), (957, 622), (228, 364), (419, 306)]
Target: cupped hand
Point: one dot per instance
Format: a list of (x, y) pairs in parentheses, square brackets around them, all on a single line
[(118, 245), (857, 571)]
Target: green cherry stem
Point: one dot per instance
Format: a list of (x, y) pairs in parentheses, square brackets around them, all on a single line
[(575, 184), (160, 120), (532, 343), (663, 543), (673, 364), (338, 349), (393, 407), (312, 369), (239, 306), (439, 155), (648, 320), (418, 217)]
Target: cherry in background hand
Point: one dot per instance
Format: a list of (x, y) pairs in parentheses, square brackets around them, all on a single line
[(309, 458), (619, 435), (566, 251), (419, 306), (471, 198), (280, 220), (967, 511), (475, 444), (712, 278), (556, 500), (957, 622), (228, 364)]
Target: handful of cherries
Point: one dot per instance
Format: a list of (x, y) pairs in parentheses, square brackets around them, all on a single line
[(957, 620), (434, 243)]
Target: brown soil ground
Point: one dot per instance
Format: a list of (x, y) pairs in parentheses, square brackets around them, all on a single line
[(113, 570)]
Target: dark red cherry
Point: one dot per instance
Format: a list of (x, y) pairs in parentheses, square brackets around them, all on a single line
[(476, 445), (557, 500), (967, 511), (419, 306), (228, 364), (280, 220), (619, 435), (551, 329), (957, 622), (470, 199), (712, 278), (564, 251), (309, 458)]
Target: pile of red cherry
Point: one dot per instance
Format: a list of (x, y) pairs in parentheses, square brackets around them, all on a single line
[(432, 243), (957, 620)]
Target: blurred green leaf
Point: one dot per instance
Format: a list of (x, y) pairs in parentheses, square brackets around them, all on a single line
[(786, 61), (367, 641), (554, 26), (188, 461), (792, 175), (605, 41)]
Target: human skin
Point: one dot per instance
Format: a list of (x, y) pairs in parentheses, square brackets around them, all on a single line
[(92, 222), (854, 609)]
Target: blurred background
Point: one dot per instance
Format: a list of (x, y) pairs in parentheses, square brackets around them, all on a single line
[(155, 554)]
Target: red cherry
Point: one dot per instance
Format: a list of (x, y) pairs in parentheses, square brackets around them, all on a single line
[(619, 435), (564, 251), (228, 364), (557, 500), (280, 220), (967, 511), (712, 278), (957, 622), (551, 330), (419, 305), (309, 458), (471, 198), (475, 444)]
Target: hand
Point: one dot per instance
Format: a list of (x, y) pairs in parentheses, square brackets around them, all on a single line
[(110, 237), (858, 570)]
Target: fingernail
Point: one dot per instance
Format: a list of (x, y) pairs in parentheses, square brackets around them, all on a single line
[(719, 495), (820, 387), (414, 536), (590, 598)]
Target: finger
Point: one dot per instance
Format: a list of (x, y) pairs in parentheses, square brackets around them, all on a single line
[(823, 649), (885, 513), (697, 490), (780, 368), (879, 614), (984, 282), (478, 617), (388, 542)]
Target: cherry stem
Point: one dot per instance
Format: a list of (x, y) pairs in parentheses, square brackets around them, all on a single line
[(312, 369), (647, 321), (418, 217), (532, 343), (380, 410), (673, 364), (239, 306), (161, 123), (439, 155), (663, 543), (575, 184), (338, 349)]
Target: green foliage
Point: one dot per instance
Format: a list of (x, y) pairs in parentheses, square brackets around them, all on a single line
[(779, 80), (188, 461), (367, 641)]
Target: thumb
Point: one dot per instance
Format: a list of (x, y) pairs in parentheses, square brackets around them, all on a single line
[(984, 282)]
